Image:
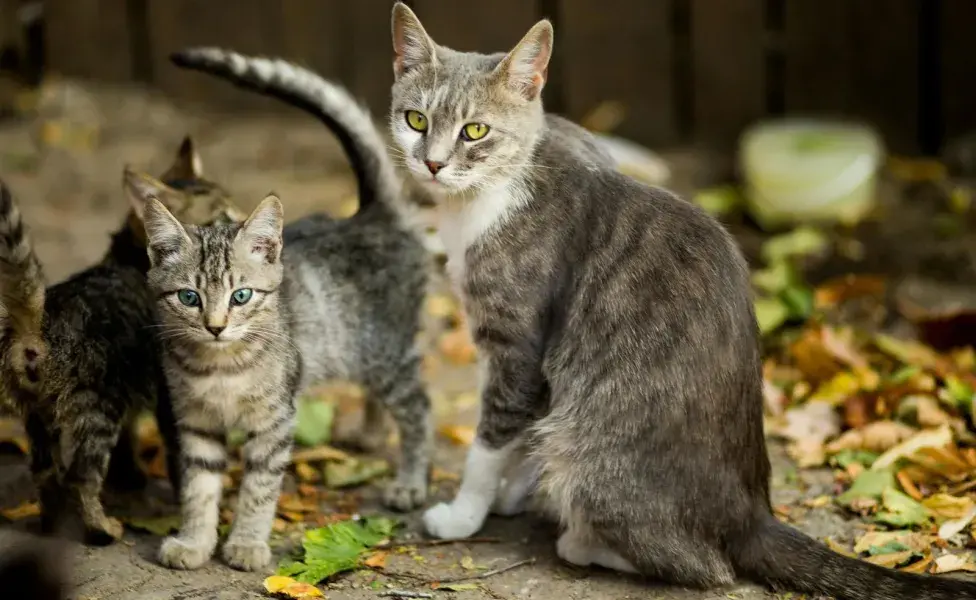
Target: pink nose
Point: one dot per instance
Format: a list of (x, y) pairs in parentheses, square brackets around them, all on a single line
[(433, 166)]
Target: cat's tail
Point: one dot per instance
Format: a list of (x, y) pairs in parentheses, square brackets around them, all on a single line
[(784, 558), (21, 295), (330, 103)]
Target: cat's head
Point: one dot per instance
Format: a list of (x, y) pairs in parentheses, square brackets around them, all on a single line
[(465, 121), (218, 284), (183, 190)]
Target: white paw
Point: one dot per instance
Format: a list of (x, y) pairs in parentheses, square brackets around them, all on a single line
[(452, 522), (572, 551), (247, 555), (178, 553)]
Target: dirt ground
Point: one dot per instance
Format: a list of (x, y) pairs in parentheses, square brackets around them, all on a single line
[(65, 166)]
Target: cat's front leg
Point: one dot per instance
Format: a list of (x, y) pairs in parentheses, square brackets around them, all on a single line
[(266, 457), (511, 392), (203, 460)]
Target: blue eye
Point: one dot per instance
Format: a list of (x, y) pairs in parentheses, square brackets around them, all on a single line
[(188, 298), (241, 296)]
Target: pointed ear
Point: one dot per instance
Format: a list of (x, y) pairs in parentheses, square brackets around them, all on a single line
[(139, 188), (260, 236), (525, 68), (187, 164), (411, 44), (165, 236)]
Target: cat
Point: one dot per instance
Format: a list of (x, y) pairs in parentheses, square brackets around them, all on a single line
[(622, 357), (351, 293), (78, 360)]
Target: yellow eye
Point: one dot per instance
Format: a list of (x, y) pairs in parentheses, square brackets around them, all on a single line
[(416, 120), (474, 131)]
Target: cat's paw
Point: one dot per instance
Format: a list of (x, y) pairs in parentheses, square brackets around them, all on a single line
[(103, 533), (452, 521), (510, 502), (247, 555), (178, 553), (405, 496)]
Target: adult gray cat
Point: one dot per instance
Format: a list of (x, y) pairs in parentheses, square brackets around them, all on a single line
[(345, 294), (616, 326)]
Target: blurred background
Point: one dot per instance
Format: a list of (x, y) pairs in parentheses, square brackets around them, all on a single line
[(836, 139)]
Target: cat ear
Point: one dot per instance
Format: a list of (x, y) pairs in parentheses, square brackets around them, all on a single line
[(411, 44), (139, 188), (261, 233), (165, 236), (187, 164), (525, 68)]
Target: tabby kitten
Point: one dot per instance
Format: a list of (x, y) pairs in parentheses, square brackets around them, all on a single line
[(79, 359), (620, 345), (357, 285)]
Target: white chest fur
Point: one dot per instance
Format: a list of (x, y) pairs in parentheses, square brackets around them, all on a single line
[(462, 222)]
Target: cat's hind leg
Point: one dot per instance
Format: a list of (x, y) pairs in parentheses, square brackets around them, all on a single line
[(88, 435), (519, 483), (402, 393)]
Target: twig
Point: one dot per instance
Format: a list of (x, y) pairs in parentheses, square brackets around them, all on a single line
[(428, 543), (405, 594), (486, 574)]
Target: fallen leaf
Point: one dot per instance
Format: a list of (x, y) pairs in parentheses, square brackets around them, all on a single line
[(292, 503), (461, 435), (455, 587), (28, 509), (951, 563), (906, 483), (802, 241), (927, 438), (377, 560), (158, 526), (354, 472), (838, 547), (922, 410), (899, 510), (891, 560), (912, 353), (920, 567), (771, 313), (306, 472), (844, 288), (289, 588), (467, 563), (955, 526), (814, 420), (318, 454), (807, 453), (313, 421), (718, 201), (457, 347), (894, 541), (870, 484), (836, 390), (947, 506), (337, 547), (877, 436)]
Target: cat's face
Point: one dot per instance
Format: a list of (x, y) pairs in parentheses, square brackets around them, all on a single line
[(464, 121), (184, 191), (216, 285)]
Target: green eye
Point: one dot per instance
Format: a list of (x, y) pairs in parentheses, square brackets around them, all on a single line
[(241, 296), (474, 131), (188, 298), (416, 120)]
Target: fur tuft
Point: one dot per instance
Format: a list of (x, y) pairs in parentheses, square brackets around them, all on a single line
[(21, 294), (330, 103)]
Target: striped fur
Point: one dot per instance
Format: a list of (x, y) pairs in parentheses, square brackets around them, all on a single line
[(102, 363), (21, 295), (355, 286)]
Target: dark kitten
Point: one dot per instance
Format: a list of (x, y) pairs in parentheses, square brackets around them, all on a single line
[(80, 358), (616, 326)]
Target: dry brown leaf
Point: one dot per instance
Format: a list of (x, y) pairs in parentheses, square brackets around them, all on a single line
[(840, 344), (774, 398), (891, 559), (811, 421), (812, 358), (461, 435), (839, 548), (952, 563), (306, 472), (906, 483), (914, 541), (927, 438), (377, 560), (920, 568), (807, 453), (467, 563), (946, 506), (955, 526), (288, 503), (858, 411), (28, 509), (848, 287), (319, 454), (457, 347), (878, 436)]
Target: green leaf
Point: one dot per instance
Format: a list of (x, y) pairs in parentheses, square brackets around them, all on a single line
[(771, 313), (337, 547), (774, 278), (718, 201), (889, 548), (802, 241), (900, 510), (160, 526), (903, 374), (848, 457), (870, 484), (353, 472), (313, 425), (960, 393), (798, 300)]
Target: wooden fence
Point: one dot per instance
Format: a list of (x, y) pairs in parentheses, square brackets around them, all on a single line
[(686, 70)]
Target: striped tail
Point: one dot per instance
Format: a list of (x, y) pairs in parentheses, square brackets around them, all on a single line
[(21, 295), (330, 103)]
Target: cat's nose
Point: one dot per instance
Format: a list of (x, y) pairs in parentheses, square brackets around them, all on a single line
[(433, 166), (215, 330)]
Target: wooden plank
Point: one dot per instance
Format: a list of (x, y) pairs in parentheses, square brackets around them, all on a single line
[(958, 89), (884, 73), (728, 65), (249, 26), (88, 39), (315, 36), (818, 53), (620, 52), (370, 48), (484, 27)]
